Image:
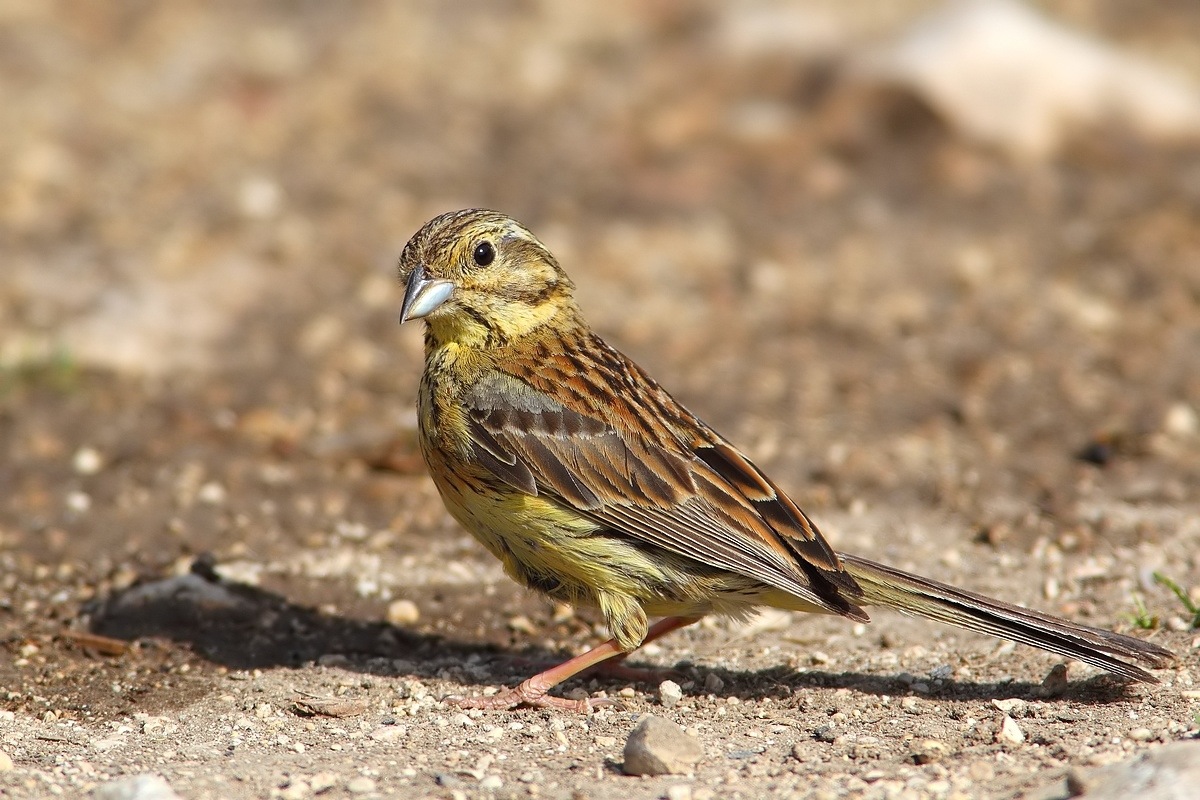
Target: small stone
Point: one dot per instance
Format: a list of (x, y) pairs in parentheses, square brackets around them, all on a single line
[(259, 197), (929, 751), (389, 733), (79, 502), (403, 612), (606, 741), (6, 762), (87, 461), (660, 747), (680, 791), (1141, 734), (491, 783), (296, 790), (669, 694), (322, 782), (824, 734), (139, 787), (1010, 732), (713, 682), (1014, 706), (211, 493), (1055, 682), (1181, 420), (360, 785)]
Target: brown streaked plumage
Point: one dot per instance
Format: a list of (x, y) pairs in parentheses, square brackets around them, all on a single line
[(594, 486)]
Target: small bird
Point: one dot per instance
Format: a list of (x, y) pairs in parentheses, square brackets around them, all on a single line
[(593, 486)]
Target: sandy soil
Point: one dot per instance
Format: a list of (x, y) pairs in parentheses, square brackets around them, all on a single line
[(221, 560)]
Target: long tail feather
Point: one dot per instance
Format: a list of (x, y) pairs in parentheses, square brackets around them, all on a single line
[(912, 594)]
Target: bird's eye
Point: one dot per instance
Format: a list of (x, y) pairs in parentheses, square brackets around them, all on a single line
[(484, 254)]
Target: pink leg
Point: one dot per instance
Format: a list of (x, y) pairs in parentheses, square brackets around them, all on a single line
[(615, 666), (535, 691)]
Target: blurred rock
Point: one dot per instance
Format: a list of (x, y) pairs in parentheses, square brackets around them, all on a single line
[(1006, 76), (1170, 772), (748, 31), (139, 787), (148, 323)]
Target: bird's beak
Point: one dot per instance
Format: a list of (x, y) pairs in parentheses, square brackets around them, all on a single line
[(423, 294)]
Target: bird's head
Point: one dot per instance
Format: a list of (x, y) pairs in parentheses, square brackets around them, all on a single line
[(479, 278)]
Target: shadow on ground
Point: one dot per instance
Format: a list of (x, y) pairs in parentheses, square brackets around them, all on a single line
[(243, 627)]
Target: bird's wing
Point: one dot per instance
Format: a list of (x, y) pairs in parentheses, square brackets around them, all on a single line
[(645, 467)]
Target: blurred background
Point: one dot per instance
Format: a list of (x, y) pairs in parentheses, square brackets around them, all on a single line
[(935, 266)]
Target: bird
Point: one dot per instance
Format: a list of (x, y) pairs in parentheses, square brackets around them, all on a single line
[(593, 486)]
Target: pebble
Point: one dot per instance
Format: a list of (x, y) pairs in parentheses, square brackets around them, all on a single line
[(1010, 732), (360, 785), (680, 791), (660, 747), (713, 682), (403, 612), (1014, 707), (323, 782), (87, 461), (669, 694), (139, 787), (6, 762), (1141, 734), (1055, 682), (389, 733), (296, 790), (1181, 420), (491, 782), (929, 751), (824, 734)]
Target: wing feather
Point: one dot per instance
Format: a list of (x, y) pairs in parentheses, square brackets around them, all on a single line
[(705, 501)]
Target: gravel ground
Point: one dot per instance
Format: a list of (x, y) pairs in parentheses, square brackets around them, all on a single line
[(221, 561)]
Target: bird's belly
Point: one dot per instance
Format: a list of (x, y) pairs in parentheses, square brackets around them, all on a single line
[(570, 558)]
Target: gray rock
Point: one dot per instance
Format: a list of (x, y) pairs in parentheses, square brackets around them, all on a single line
[(139, 787), (1004, 74), (1170, 772), (660, 747)]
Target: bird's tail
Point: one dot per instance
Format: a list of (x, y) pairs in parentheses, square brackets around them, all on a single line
[(912, 594)]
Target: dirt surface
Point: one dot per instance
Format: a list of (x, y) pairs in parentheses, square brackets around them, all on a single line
[(221, 560)]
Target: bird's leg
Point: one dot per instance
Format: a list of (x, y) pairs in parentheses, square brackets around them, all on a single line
[(615, 667), (535, 691)]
